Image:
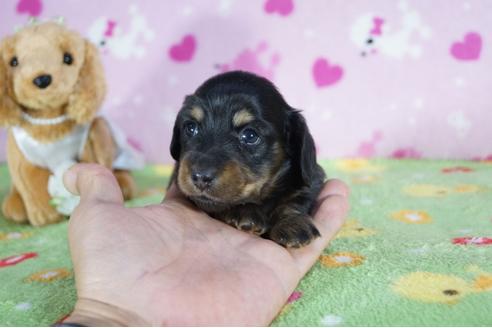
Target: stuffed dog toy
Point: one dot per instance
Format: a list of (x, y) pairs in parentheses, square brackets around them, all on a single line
[(246, 157), (51, 86)]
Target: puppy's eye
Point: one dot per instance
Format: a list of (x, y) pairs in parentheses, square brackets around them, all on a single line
[(369, 41), (14, 62), (191, 128), (249, 137), (67, 58)]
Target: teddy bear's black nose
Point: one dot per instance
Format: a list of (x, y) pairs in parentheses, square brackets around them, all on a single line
[(42, 81)]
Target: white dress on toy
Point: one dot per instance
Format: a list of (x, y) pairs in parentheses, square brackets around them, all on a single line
[(60, 155)]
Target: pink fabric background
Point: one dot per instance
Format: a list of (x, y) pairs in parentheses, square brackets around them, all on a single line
[(423, 89)]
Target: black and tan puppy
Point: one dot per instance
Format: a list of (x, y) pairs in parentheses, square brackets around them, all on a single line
[(246, 157)]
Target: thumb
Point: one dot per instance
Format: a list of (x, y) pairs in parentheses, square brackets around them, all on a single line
[(173, 193), (94, 183), (329, 217)]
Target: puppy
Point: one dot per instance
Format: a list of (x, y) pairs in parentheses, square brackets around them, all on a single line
[(245, 157)]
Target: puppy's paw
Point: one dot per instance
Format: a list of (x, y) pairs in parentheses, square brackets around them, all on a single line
[(294, 232), (253, 225), (40, 216), (248, 219), (126, 183), (13, 208)]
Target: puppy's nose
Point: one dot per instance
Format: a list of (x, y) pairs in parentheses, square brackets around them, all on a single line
[(203, 179), (42, 81)]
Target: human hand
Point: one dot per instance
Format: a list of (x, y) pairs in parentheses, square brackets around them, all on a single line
[(172, 264)]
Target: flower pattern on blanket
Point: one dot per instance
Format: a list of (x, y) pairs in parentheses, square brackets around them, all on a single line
[(49, 275), (15, 235), (353, 229), (412, 217), (428, 190), (365, 179), (341, 259), (432, 287), (358, 165), (294, 297), (409, 240), (16, 259)]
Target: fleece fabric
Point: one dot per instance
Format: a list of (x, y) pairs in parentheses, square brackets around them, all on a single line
[(416, 250)]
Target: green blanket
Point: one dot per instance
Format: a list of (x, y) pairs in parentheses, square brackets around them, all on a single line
[(416, 250)]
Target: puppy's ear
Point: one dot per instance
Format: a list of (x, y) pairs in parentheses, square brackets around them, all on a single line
[(175, 142), (300, 147), (90, 89), (10, 112), (175, 147)]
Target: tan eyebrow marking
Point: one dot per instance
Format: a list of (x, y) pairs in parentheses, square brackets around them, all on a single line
[(197, 113), (242, 117)]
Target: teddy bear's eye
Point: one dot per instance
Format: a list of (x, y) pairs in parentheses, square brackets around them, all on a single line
[(14, 62), (67, 58)]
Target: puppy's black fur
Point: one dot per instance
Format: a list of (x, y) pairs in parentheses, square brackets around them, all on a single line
[(246, 157)]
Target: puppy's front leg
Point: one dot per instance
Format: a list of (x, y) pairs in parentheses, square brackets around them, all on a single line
[(292, 225), (100, 147), (13, 207), (250, 218), (31, 183)]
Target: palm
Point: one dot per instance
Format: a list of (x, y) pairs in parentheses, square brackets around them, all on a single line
[(174, 265)]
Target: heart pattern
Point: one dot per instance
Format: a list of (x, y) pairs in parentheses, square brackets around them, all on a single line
[(319, 60), (31, 7), (183, 51), (469, 48), (281, 7), (325, 74)]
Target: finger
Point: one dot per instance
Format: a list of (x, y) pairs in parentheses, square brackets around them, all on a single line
[(173, 192), (329, 218), (94, 183), (334, 187)]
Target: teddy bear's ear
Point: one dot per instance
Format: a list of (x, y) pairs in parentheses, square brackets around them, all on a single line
[(10, 113), (90, 89)]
